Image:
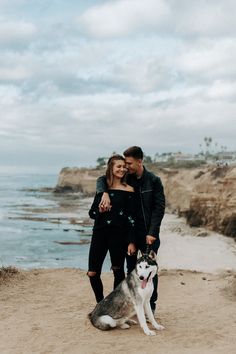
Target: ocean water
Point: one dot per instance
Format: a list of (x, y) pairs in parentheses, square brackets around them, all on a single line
[(33, 222)]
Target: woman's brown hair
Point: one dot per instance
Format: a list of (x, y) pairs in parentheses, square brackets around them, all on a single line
[(110, 164)]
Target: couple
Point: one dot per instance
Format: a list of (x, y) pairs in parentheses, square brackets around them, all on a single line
[(128, 210)]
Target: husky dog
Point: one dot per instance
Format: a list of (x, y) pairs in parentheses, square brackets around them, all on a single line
[(130, 297)]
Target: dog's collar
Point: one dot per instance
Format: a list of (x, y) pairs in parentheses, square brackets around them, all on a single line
[(149, 276)]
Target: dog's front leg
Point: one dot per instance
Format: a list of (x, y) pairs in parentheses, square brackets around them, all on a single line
[(150, 316), (142, 320)]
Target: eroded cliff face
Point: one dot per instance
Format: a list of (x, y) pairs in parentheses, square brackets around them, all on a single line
[(73, 179), (206, 196)]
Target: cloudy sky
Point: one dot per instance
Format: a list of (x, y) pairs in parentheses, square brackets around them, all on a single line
[(81, 79)]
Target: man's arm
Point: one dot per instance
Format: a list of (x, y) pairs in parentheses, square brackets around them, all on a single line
[(158, 210), (131, 212), (101, 187), (101, 184)]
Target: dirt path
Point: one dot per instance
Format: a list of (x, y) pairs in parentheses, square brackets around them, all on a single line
[(45, 311)]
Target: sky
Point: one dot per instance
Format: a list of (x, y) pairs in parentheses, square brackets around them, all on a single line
[(82, 79)]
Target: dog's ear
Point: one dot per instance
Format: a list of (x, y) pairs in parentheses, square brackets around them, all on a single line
[(139, 254), (153, 255)]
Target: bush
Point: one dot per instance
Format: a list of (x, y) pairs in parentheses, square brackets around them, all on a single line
[(7, 272)]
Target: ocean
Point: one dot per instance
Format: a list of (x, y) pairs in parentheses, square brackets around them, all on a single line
[(40, 229)]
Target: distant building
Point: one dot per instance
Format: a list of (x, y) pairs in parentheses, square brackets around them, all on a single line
[(179, 157), (176, 157), (225, 158)]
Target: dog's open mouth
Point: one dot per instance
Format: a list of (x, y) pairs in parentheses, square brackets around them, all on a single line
[(145, 281)]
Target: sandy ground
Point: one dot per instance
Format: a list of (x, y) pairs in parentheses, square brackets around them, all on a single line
[(45, 311)]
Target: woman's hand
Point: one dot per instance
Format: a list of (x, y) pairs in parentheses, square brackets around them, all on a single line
[(105, 203)]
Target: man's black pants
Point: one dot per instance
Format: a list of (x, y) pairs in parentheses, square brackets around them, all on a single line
[(131, 262)]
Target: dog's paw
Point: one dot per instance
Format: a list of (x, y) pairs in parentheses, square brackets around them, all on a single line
[(132, 322), (125, 326), (149, 332), (158, 327)]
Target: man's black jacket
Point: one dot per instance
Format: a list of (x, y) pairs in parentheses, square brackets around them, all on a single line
[(152, 199)]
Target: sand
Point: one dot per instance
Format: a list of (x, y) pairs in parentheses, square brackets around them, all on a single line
[(45, 311)]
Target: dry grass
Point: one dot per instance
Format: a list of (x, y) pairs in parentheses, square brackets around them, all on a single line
[(7, 272)]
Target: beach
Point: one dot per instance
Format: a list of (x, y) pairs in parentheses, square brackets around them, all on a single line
[(44, 311)]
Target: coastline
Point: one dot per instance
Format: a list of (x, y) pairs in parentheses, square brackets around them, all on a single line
[(44, 311)]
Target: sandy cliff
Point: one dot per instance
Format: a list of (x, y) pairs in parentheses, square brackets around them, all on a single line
[(73, 179), (205, 195)]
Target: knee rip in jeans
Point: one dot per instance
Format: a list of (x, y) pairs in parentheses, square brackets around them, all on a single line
[(91, 273)]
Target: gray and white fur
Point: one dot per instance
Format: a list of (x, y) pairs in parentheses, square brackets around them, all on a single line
[(130, 297)]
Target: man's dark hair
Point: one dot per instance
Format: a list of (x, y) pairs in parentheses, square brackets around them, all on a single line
[(134, 151)]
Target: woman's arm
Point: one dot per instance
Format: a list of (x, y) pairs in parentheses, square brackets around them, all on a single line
[(94, 209)]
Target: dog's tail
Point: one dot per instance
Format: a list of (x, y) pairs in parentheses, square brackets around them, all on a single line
[(103, 323)]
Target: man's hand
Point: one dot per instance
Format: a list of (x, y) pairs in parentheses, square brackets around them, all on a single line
[(105, 203), (131, 249), (150, 239)]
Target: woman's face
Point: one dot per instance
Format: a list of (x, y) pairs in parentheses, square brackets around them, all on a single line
[(119, 168)]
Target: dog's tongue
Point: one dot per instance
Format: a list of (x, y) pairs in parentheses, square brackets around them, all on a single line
[(144, 283)]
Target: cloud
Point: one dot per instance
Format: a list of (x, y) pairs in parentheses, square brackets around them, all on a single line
[(157, 74), (16, 31), (206, 59), (201, 18), (183, 18), (124, 17), (222, 90)]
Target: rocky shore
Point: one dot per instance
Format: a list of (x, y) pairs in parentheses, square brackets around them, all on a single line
[(206, 195), (45, 310)]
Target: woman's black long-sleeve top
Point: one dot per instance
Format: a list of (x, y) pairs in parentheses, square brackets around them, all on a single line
[(151, 201), (121, 215)]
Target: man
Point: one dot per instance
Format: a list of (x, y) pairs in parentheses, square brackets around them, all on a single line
[(150, 210)]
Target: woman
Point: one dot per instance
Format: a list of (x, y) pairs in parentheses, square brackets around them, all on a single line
[(113, 230)]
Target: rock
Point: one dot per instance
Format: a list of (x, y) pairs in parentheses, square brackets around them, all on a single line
[(193, 217), (229, 225), (78, 180), (206, 196), (202, 234), (81, 242)]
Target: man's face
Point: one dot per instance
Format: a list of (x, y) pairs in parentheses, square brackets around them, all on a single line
[(132, 164)]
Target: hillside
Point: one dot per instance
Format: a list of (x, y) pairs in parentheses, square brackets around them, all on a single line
[(205, 195)]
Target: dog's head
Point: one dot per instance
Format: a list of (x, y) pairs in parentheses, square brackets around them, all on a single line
[(146, 267)]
